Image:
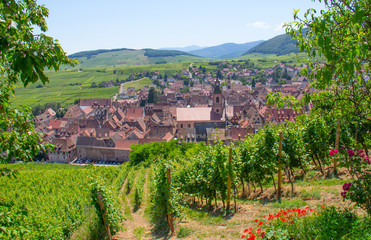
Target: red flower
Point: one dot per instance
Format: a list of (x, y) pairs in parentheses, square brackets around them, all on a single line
[(252, 237), (351, 153), (246, 230), (260, 223), (346, 186), (243, 236), (343, 194), (333, 152), (256, 220)]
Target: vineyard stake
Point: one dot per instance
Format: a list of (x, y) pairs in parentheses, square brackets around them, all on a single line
[(169, 215), (229, 179), (337, 143), (100, 200), (279, 168)]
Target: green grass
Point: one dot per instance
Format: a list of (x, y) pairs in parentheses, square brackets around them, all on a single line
[(321, 182), (204, 217), (310, 194), (138, 84), (138, 232), (184, 232)]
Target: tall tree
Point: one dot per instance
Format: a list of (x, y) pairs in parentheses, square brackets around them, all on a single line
[(23, 58), (152, 95), (341, 35)]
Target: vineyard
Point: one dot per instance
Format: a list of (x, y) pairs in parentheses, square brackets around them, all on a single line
[(186, 190)]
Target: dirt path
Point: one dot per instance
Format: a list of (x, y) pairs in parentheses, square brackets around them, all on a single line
[(135, 225)]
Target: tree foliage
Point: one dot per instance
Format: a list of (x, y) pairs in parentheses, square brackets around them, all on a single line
[(23, 58), (341, 35)]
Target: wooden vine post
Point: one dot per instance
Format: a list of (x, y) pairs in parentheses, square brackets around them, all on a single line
[(170, 219), (337, 140), (279, 168), (229, 179), (100, 200)]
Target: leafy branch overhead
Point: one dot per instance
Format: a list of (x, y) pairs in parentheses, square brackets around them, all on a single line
[(23, 58), (341, 35)]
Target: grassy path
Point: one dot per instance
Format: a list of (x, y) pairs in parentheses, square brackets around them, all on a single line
[(136, 226)]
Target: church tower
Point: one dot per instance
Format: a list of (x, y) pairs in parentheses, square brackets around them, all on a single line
[(217, 99)]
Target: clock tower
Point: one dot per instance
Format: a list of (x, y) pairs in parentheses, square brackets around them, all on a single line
[(217, 99)]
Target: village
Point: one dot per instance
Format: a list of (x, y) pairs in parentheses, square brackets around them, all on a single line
[(192, 106)]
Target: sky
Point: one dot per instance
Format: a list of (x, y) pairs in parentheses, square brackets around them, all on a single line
[(81, 25)]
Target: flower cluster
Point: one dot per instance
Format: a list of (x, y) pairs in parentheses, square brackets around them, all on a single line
[(288, 216), (346, 187), (249, 235), (351, 153), (366, 159), (333, 152)]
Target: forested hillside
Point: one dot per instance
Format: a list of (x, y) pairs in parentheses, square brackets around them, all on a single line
[(279, 45)]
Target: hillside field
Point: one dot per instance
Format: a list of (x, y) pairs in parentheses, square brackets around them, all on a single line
[(132, 58), (68, 85)]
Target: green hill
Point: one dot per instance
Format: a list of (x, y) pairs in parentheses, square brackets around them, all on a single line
[(67, 85), (279, 45), (130, 57)]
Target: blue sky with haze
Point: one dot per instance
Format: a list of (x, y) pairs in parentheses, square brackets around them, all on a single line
[(81, 25)]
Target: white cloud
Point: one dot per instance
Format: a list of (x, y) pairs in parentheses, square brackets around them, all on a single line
[(279, 27), (259, 24)]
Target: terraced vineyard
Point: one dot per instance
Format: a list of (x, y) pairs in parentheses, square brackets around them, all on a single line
[(199, 191)]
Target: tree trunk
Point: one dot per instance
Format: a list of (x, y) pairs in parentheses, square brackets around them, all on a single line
[(261, 186), (319, 162), (243, 188), (302, 166), (216, 204), (274, 183), (315, 164), (291, 181)]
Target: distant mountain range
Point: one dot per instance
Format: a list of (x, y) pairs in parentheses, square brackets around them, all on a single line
[(226, 50), (184, 49), (279, 45)]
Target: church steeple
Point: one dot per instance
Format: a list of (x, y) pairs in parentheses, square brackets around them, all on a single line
[(217, 98)]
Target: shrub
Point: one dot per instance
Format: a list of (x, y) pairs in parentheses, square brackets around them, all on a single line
[(328, 223)]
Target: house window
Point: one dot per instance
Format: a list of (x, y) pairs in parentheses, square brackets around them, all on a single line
[(181, 125), (217, 110), (189, 125), (217, 99)]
